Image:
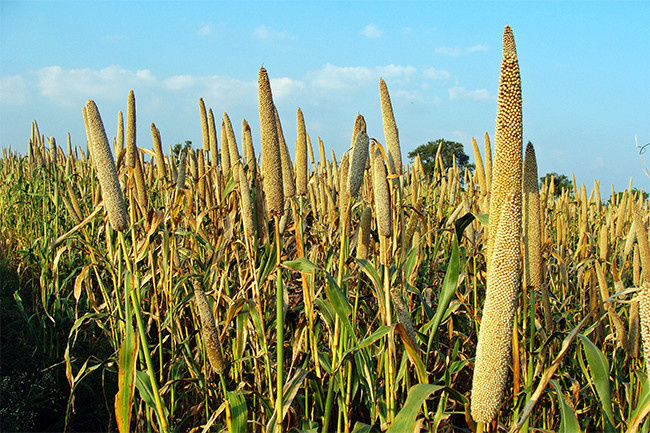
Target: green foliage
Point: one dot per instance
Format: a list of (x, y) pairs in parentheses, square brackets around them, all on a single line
[(562, 182), (178, 147), (449, 149)]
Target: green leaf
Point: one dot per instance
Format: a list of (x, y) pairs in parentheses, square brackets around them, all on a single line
[(413, 354), (406, 418), (383, 330), (289, 392), (230, 185), (340, 303), (599, 369), (143, 384), (126, 379), (302, 264), (643, 404), (462, 223), (360, 427), (449, 285), (483, 218), (370, 270), (239, 411), (568, 420)]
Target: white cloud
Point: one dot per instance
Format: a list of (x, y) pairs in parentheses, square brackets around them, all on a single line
[(112, 82), (463, 93), (284, 87), (331, 77), (12, 90), (179, 82), (265, 32), (371, 31), (436, 74), (205, 30), (457, 51), (478, 47), (448, 51)]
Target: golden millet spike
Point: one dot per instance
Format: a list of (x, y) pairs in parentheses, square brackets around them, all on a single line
[(271, 159), (106, 171)]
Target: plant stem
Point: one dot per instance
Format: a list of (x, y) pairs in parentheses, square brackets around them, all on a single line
[(279, 328)]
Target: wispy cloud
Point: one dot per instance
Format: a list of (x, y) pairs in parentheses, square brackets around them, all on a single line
[(331, 77), (436, 74), (371, 31), (462, 93), (459, 51), (477, 48), (448, 51), (13, 90), (205, 30), (266, 32)]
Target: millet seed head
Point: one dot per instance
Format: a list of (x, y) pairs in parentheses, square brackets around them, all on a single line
[(271, 159), (106, 171)]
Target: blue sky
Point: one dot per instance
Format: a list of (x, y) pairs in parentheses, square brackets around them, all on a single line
[(584, 68)]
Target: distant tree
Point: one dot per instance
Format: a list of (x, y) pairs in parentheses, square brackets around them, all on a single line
[(449, 149), (562, 182), (635, 191), (176, 150)]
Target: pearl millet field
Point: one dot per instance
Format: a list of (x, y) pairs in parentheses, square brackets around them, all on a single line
[(146, 288)]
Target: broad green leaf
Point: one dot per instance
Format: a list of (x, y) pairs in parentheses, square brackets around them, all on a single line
[(383, 330), (239, 411), (449, 285), (370, 270), (413, 354), (360, 427), (289, 392), (643, 404), (462, 223), (407, 416), (483, 218), (599, 369), (143, 384), (128, 357), (568, 420), (230, 185), (302, 264), (340, 303)]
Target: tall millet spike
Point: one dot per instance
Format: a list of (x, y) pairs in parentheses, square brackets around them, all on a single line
[(495, 333), (209, 330), (496, 329), (106, 171), (480, 171), (301, 155), (488, 162), (644, 294), (130, 130), (382, 196), (248, 149), (532, 233), (287, 166), (391, 133), (358, 160), (119, 143), (271, 160), (212, 134), (233, 151), (204, 126), (507, 168), (160, 156), (225, 149)]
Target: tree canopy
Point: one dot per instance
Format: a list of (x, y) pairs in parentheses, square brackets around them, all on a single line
[(449, 149), (562, 182)]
